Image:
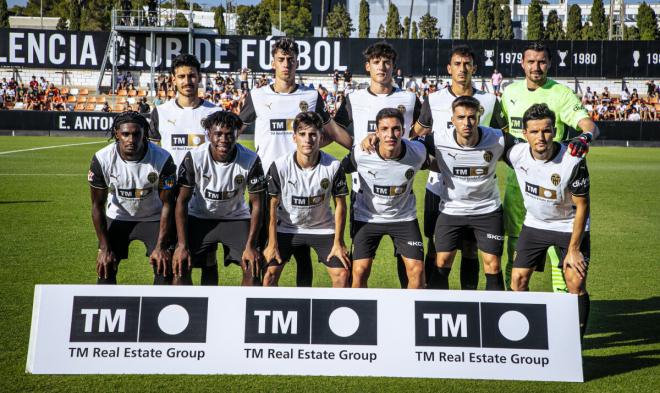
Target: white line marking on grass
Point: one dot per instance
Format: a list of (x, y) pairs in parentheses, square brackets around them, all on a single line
[(49, 147), (42, 174)]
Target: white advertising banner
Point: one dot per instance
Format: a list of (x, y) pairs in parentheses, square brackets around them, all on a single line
[(85, 329)]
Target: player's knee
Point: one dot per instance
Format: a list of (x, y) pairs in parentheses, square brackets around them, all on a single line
[(492, 263), (339, 278), (415, 270), (443, 260), (519, 282), (272, 276)]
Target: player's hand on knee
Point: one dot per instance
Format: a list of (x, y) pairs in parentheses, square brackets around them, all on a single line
[(575, 260), (161, 260), (369, 143), (105, 260), (271, 253), (252, 260), (181, 257), (341, 252)]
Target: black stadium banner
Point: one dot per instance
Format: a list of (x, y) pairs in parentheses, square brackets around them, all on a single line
[(22, 120), (85, 50)]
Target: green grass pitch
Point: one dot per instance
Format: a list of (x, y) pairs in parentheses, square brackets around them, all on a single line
[(46, 237)]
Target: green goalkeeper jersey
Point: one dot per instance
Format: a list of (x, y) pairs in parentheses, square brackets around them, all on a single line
[(568, 109)]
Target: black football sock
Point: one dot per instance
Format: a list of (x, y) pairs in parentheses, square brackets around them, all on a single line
[(583, 312), (304, 271), (469, 273), (441, 278), (495, 282), (209, 275)]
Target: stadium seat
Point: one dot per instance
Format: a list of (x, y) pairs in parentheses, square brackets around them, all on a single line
[(64, 91), (120, 100), (98, 107), (79, 107), (171, 93), (132, 93), (74, 91), (90, 107), (81, 99), (71, 99), (142, 93), (83, 92), (162, 94), (131, 100), (122, 93), (118, 108), (91, 100)]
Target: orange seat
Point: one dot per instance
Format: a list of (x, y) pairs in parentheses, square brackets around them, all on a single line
[(118, 108), (100, 100), (162, 93), (91, 100), (171, 93), (64, 91), (83, 92), (122, 92), (142, 93), (82, 99), (71, 99), (79, 107), (132, 93), (90, 107)]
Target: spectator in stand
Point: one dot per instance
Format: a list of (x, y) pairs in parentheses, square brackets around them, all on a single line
[(424, 86), (625, 96), (588, 96), (496, 81), (4, 84), (605, 97), (244, 77), (411, 85), (634, 97), (398, 79), (634, 115), (143, 106), (348, 78), (129, 80), (335, 81), (623, 110), (43, 85), (106, 107), (21, 91), (650, 89), (34, 84)]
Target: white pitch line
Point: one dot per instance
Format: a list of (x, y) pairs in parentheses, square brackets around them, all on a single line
[(49, 147), (42, 174)]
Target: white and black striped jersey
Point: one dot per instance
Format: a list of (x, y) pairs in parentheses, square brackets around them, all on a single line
[(547, 186), (467, 173), (179, 129), (133, 186), (436, 114), (272, 114), (386, 186), (361, 107), (219, 187), (306, 194)]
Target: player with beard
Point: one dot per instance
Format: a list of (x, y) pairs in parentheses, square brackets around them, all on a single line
[(555, 187), (568, 110), (132, 182), (177, 126), (211, 208), (272, 109), (301, 186), (361, 107), (435, 116)]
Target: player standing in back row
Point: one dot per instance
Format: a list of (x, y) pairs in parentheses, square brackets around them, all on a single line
[(361, 107), (272, 109), (177, 126), (516, 99), (436, 115)]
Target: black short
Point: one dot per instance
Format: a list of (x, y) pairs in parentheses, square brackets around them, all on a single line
[(431, 212), (405, 235), (121, 233), (487, 228), (204, 236), (322, 244), (533, 244)]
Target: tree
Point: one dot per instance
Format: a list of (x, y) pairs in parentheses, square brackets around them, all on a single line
[(574, 24), (498, 22), (243, 13), (75, 12), (296, 16), (463, 32), (630, 33), (4, 14), (363, 28), (647, 23), (427, 27), (507, 24), (485, 23), (413, 32), (261, 22), (554, 29), (381, 31), (219, 20), (180, 20), (406, 28), (598, 28), (95, 15), (392, 24), (535, 21), (471, 26), (339, 22)]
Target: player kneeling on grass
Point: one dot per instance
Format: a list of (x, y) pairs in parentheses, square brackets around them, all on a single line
[(211, 207), (555, 190), (300, 187), (131, 181), (385, 203)]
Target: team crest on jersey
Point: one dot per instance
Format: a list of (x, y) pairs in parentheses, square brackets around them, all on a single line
[(555, 179), (488, 155), (325, 183), (304, 106), (152, 177), (239, 179), (401, 109), (410, 173)]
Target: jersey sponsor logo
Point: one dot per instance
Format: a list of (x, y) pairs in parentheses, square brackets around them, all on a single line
[(325, 183), (371, 126), (304, 201), (220, 195), (555, 179), (372, 173), (581, 183), (578, 107), (138, 319), (239, 179), (415, 243), (311, 321), (522, 168), (390, 190), (258, 179), (133, 193), (152, 177), (495, 237), (281, 125), (452, 155), (470, 171), (187, 140), (488, 155), (539, 191), (516, 123), (481, 324), (304, 106)]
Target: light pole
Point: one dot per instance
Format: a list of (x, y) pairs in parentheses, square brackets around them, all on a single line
[(280, 16)]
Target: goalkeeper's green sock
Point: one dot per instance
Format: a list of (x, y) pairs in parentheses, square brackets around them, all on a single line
[(510, 251), (558, 282)]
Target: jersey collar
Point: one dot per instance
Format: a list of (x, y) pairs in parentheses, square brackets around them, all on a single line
[(272, 88), (295, 161), (394, 90), (479, 136), (399, 158), (200, 103), (449, 89), (556, 145)]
